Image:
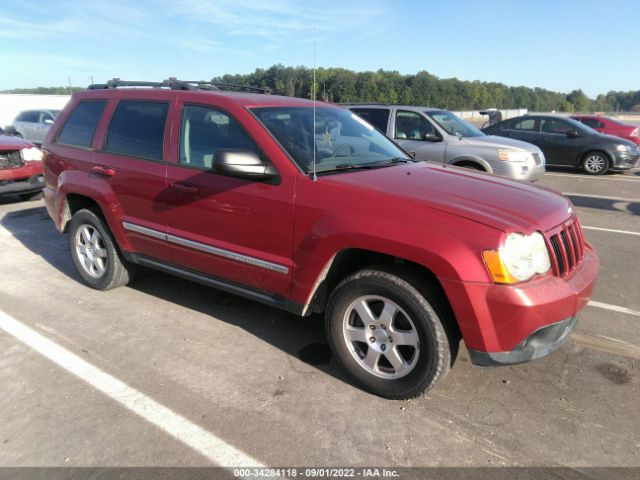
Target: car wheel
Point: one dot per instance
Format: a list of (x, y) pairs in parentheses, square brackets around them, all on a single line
[(388, 334), (595, 163), (30, 196), (95, 254)]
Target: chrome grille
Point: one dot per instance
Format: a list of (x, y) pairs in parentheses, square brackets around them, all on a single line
[(566, 247), (11, 159)]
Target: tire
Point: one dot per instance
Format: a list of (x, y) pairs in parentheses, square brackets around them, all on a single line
[(425, 340), (95, 254), (595, 163), (30, 196)]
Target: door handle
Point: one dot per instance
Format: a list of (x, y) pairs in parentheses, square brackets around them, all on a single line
[(105, 171), (185, 188)]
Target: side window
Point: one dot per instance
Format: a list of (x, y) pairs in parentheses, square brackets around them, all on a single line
[(556, 126), (528, 125), (44, 116), (81, 125), (378, 117), (590, 122), (137, 129), (204, 131), (29, 116), (412, 126)]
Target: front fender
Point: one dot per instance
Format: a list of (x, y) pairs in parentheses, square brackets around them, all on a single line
[(445, 248), (471, 158)]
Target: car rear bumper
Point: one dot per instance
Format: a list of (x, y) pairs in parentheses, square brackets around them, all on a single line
[(515, 323)]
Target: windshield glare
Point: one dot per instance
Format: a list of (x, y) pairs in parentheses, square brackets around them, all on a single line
[(454, 125), (341, 137)]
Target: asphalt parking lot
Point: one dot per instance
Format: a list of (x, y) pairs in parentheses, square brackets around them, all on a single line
[(170, 373)]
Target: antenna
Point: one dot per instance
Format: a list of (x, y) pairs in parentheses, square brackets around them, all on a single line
[(313, 93)]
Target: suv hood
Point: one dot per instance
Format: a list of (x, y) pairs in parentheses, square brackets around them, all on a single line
[(499, 142), (497, 202), (8, 142)]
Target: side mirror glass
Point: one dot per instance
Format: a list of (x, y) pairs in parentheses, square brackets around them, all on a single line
[(431, 137), (48, 121), (242, 164), (573, 134)]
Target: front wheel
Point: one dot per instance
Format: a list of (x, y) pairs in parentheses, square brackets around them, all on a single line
[(389, 334), (595, 163), (95, 253)]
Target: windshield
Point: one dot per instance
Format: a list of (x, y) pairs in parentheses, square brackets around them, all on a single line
[(342, 139), (454, 125)]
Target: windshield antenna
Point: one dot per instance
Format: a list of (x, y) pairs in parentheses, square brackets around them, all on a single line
[(313, 93)]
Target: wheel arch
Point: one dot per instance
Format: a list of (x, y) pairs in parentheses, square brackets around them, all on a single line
[(471, 162)]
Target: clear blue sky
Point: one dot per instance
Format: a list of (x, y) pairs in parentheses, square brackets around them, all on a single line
[(555, 44)]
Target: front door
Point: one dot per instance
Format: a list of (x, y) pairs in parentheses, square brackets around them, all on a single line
[(415, 133), (558, 146), (234, 229)]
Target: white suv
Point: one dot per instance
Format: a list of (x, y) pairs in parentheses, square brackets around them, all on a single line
[(33, 125)]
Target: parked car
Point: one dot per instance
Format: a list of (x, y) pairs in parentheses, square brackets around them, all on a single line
[(33, 125), (609, 126), (443, 137), (565, 141), (237, 191), (20, 168)]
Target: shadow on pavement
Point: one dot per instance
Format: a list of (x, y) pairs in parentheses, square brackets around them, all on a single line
[(611, 204), (301, 337)]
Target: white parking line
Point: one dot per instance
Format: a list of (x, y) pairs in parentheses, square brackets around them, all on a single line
[(605, 197), (612, 230), (195, 437), (614, 308), (591, 177)]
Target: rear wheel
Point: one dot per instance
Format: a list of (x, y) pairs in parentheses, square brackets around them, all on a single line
[(595, 163), (95, 254), (389, 334)]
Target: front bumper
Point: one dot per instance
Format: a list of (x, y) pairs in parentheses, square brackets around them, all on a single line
[(539, 344), (510, 322), (523, 171), (31, 184), (625, 160)]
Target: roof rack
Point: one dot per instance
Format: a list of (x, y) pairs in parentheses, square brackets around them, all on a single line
[(175, 84)]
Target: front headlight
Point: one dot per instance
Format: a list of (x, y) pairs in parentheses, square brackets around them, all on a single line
[(623, 148), (514, 156), (31, 154), (521, 257)]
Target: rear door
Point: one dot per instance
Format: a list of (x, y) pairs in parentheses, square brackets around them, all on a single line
[(235, 229), (378, 117), (526, 129), (130, 166)]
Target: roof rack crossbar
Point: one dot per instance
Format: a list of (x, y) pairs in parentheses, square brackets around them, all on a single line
[(176, 84)]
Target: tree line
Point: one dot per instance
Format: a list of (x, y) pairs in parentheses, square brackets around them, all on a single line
[(340, 85)]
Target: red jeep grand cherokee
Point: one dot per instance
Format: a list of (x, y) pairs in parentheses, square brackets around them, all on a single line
[(405, 258), (20, 168)]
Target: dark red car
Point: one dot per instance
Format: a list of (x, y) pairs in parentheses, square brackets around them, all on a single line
[(610, 126), (310, 209), (20, 168)]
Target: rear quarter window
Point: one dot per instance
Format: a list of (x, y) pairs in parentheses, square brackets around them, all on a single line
[(81, 125), (137, 129), (378, 117)]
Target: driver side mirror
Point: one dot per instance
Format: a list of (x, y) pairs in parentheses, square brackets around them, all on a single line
[(242, 164), (431, 137), (48, 121), (573, 134)]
